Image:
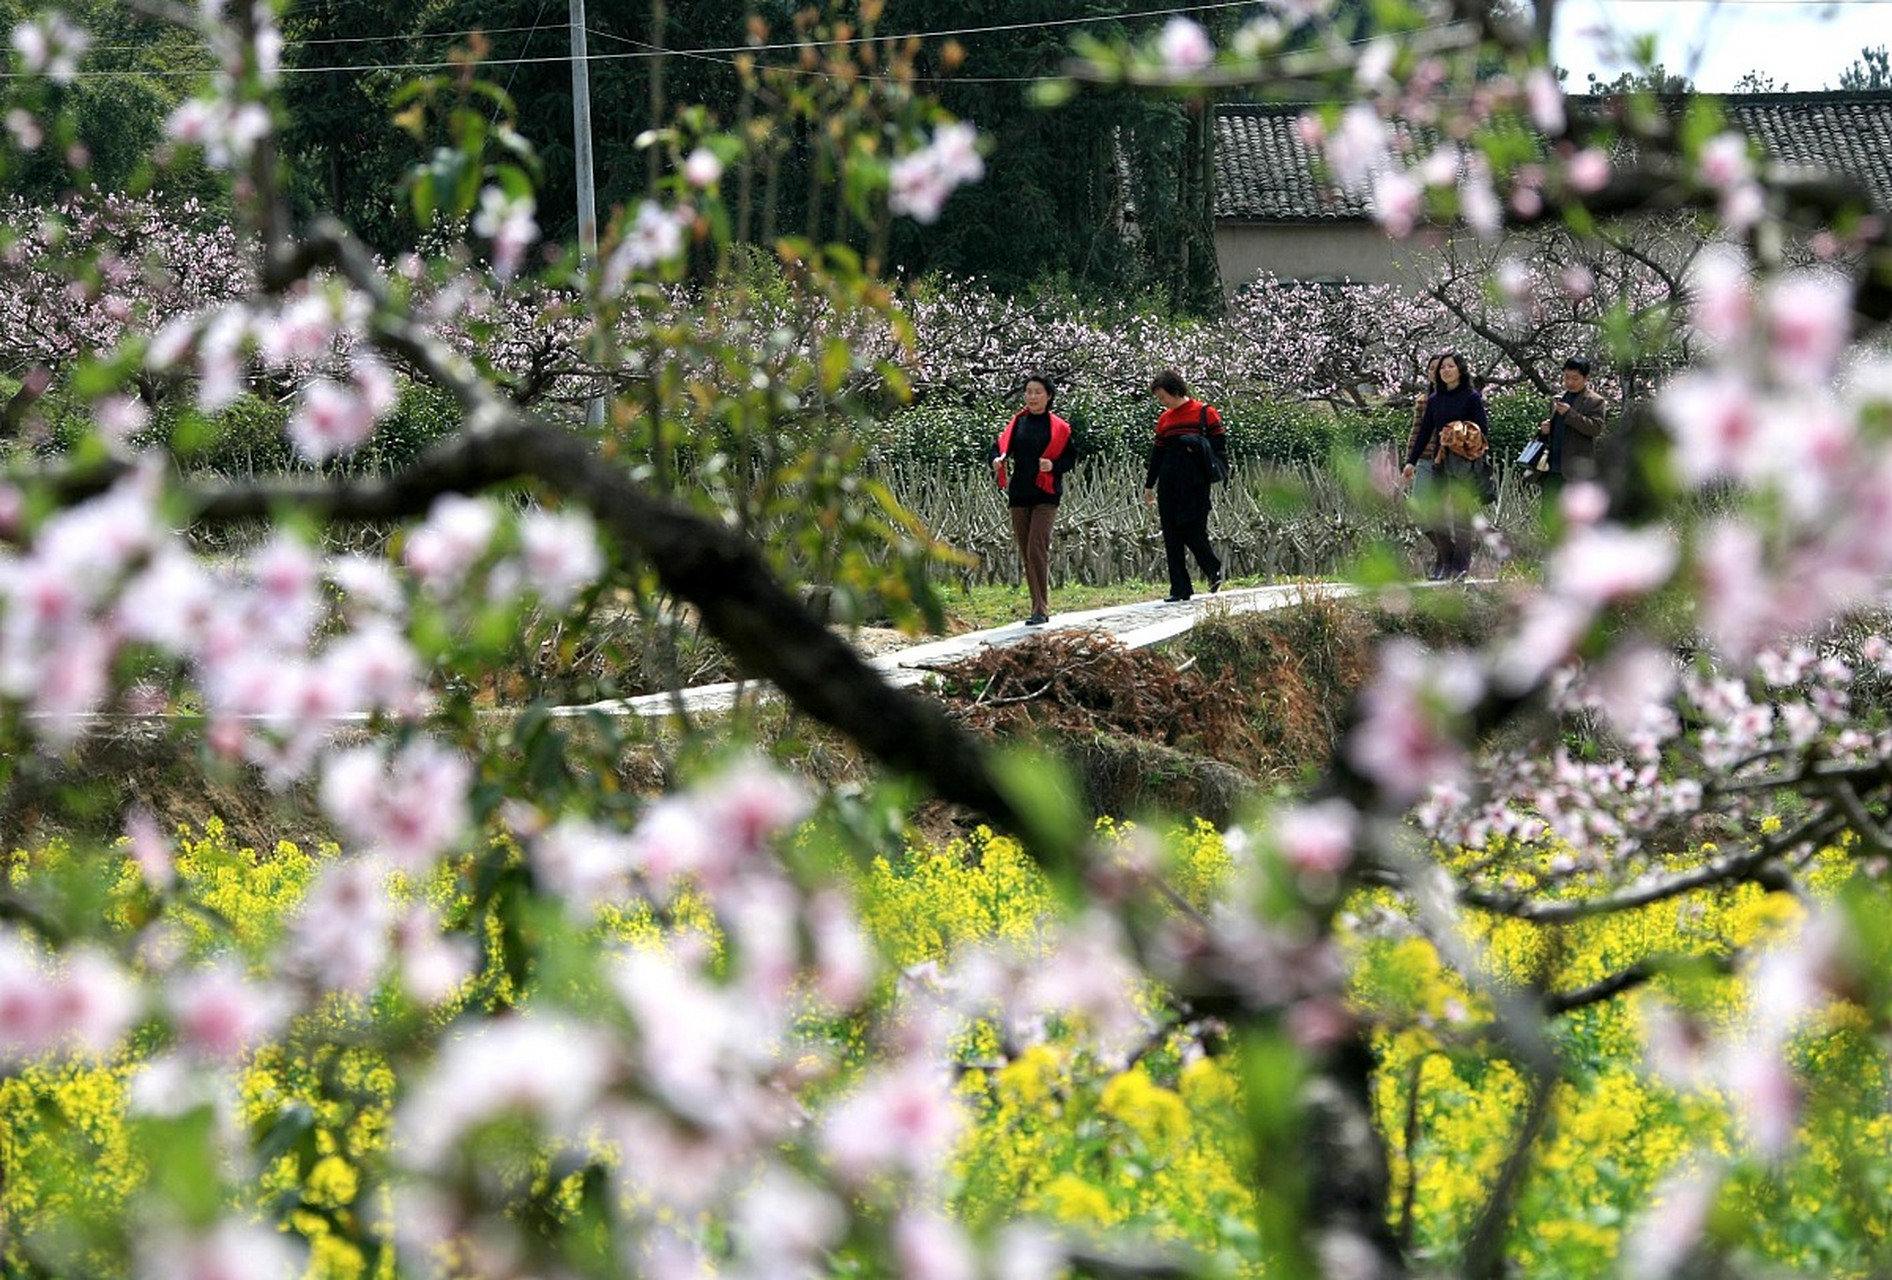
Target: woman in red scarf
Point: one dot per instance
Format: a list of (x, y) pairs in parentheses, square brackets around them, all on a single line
[(1029, 462), (1190, 453)]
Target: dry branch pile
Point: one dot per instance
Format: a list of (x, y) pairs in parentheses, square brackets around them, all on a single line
[(1075, 684)]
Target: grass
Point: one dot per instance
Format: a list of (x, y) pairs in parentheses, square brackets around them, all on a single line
[(996, 604)]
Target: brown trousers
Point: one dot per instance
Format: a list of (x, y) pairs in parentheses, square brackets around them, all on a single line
[(1031, 530)]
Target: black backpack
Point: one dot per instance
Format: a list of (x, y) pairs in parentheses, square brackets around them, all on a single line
[(1214, 468)]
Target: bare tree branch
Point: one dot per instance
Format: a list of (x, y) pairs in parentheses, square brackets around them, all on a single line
[(1727, 871)]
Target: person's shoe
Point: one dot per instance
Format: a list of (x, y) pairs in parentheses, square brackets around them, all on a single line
[(1436, 573), (1175, 599), (1215, 584), (1037, 619)]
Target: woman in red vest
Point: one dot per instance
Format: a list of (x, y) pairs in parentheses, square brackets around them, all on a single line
[(1032, 455)]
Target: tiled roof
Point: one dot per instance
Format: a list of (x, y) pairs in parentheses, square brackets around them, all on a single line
[(1266, 173)]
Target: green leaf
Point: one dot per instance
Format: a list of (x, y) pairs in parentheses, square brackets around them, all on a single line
[(1045, 796)]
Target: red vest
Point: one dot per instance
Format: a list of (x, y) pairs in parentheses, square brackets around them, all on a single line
[(1060, 437)]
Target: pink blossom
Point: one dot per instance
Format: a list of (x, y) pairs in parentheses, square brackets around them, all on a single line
[(902, 1119), (51, 46), (1809, 319), (1258, 37), (1671, 1225), (917, 189), (288, 582), (539, 1068), (457, 533), (1404, 742), (96, 1004), (339, 937), (302, 331), (374, 383), (1184, 46), (1633, 687), (784, 1224), (1478, 203), (654, 238), (329, 421), (560, 550), (1608, 563), (25, 129), (583, 865), (220, 1014), (844, 960), (412, 807), (1735, 591), (1374, 66), (1588, 170), (432, 965), (1398, 200), (931, 1247), (673, 839), (149, 849), (1583, 503), (226, 131), (1742, 206), (27, 1004), (1317, 839), (227, 1250), (509, 223), (1514, 281), (120, 417), (1725, 161), (752, 802), (1792, 981), (1359, 148), (1721, 296), (373, 667), (368, 586), (955, 149), (73, 683), (220, 360), (695, 1038), (702, 169), (1545, 98), (1714, 419), (1762, 1093), (1578, 282), (920, 182)]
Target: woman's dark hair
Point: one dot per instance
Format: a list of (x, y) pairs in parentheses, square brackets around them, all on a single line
[(1171, 381), (1051, 388), (1464, 371)]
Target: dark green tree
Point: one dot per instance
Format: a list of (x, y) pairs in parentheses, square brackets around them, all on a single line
[(1872, 69), (135, 71)]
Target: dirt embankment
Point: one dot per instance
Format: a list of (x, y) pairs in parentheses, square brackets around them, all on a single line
[(1239, 703)]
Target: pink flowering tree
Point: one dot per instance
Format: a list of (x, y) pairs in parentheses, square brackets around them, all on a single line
[(1689, 670), (555, 1029)]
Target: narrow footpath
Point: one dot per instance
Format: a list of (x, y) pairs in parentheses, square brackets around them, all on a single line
[(1136, 626)]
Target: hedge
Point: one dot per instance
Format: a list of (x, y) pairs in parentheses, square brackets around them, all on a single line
[(1114, 432)]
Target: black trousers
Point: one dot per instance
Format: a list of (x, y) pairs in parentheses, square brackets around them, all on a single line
[(1187, 532)]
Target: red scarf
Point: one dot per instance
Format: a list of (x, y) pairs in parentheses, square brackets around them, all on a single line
[(1060, 437)]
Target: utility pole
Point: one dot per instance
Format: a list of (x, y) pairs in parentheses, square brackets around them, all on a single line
[(587, 194)]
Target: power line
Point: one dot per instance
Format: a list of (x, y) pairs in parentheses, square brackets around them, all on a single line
[(652, 52)]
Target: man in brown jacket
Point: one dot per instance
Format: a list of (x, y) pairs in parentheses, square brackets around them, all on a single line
[(1576, 420)]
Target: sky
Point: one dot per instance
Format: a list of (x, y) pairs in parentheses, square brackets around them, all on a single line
[(1802, 44)]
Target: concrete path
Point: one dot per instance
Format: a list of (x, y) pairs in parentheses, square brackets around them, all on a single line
[(1134, 625)]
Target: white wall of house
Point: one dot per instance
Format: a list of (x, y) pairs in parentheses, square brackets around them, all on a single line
[(1331, 250)]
